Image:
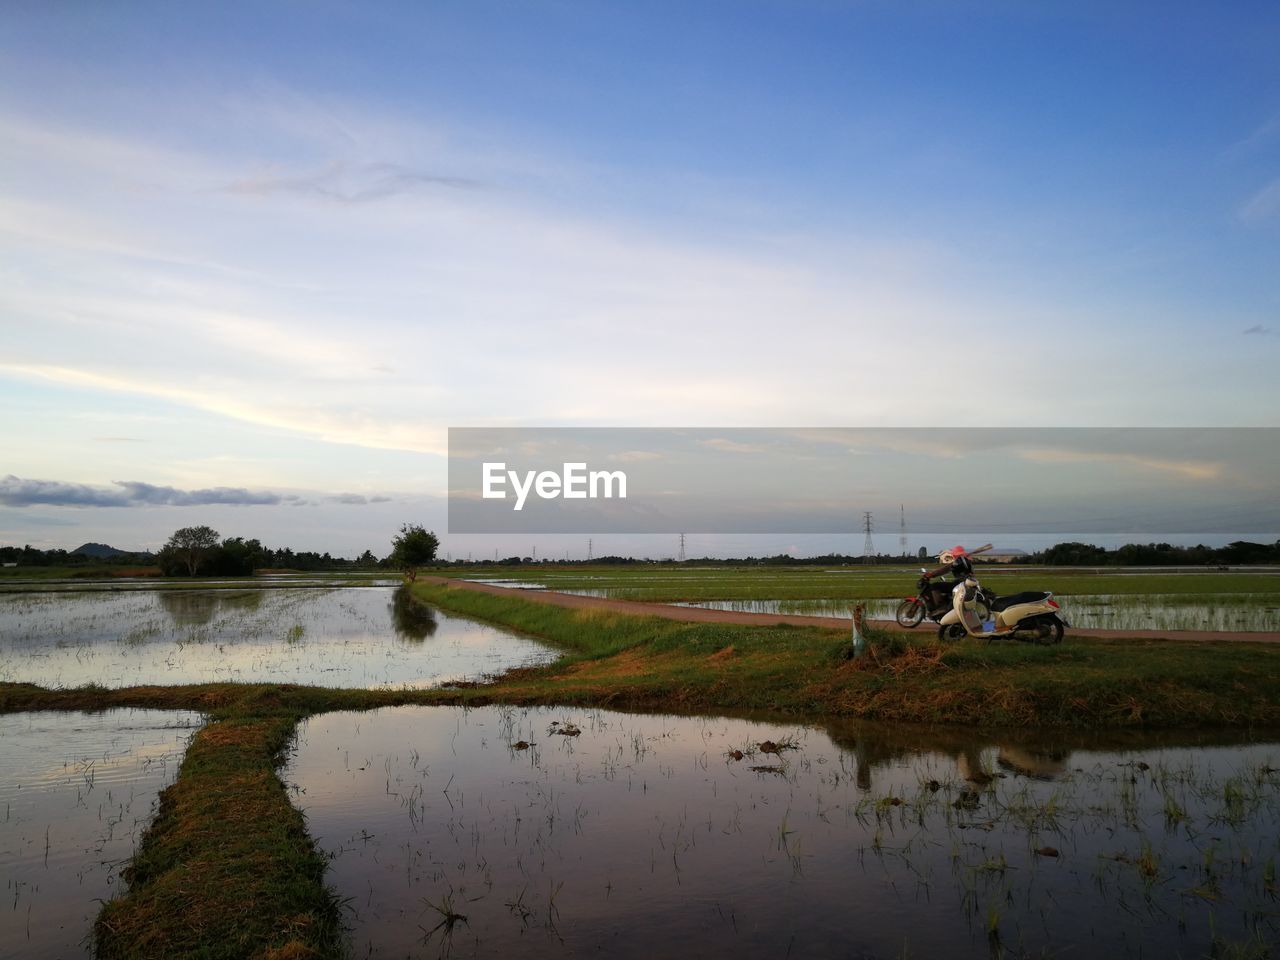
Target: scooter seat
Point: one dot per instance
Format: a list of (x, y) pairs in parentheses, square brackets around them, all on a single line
[(1004, 603)]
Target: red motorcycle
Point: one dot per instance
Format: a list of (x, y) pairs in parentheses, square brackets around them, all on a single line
[(934, 599)]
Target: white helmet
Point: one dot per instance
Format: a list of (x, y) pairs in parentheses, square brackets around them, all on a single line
[(946, 556)]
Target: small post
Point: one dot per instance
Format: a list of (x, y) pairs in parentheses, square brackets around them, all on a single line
[(859, 641)]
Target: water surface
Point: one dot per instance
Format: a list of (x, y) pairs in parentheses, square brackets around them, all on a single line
[(333, 637), (76, 792), (534, 832)]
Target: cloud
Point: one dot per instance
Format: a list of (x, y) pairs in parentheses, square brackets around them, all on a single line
[(1191, 469), (349, 427), (348, 184), (1263, 204), (18, 492), (1258, 328), (355, 499), (732, 446), (635, 456)]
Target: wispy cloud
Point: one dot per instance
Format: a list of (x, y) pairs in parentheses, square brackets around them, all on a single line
[(635, 456), (1259, 330), (1190, 469), (356, 499), (355, 429), (1264, 204), (725, 445), (344, 183)]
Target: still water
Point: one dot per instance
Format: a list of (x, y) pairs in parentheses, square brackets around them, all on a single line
[(76, 792), (333, 637), (534, 832), (1227, 612), (1245, 612)]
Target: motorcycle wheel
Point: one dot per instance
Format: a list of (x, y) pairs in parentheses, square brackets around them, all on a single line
[(952, 632), (909, 613), (1048, 633)]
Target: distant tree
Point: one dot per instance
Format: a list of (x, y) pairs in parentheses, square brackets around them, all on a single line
[(923, 553), (366, 559), (190, 547), (414, 547), (237, 557)]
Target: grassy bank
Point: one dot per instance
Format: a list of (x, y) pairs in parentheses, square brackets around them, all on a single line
[(623, 661)]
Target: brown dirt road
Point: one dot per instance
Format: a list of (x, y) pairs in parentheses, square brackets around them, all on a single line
[(668, 611)]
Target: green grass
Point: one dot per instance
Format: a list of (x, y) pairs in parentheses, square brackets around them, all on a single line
[(624, 661)]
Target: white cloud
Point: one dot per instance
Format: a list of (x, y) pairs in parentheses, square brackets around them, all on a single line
[(1264, 204)]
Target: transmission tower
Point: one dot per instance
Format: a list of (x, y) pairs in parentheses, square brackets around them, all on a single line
[(682, 548), (588, 548), (868, 548), (902, 529)]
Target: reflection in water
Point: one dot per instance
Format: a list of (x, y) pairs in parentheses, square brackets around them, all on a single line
[(197, 608), (413, 621), (77, 790), (341, 637), (588, 833), (189, 608)]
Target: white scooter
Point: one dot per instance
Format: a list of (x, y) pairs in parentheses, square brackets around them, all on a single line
[(1033, 616)]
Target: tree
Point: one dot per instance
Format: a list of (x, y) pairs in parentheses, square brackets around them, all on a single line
[(191, 546), (414, 547)]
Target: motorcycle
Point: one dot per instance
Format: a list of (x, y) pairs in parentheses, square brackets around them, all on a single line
[(934, 601), (1032, 616)]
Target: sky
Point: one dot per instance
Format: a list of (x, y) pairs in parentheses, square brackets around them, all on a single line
[(257, 258)]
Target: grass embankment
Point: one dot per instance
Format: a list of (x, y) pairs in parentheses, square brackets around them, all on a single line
[(645, 663)]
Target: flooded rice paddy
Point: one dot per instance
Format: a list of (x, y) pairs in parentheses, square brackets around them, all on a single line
[(76, 792), (529, 832), (333, 637), (1217, 611), (1227, 612)]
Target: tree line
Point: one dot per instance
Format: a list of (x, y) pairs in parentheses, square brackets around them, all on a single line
[(202, 551)]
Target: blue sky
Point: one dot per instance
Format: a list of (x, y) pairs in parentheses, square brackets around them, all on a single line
[(282, 247)]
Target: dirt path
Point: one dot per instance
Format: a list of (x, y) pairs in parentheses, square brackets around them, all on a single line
[(667, 611)]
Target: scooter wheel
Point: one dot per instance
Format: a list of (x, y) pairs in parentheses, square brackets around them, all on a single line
[(909, 613), (1048, 634), (952, 632)]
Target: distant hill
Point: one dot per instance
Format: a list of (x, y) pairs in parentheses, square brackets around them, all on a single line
[(99, 550)]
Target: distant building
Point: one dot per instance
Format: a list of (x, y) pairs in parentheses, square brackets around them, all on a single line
[(1004, 556)]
